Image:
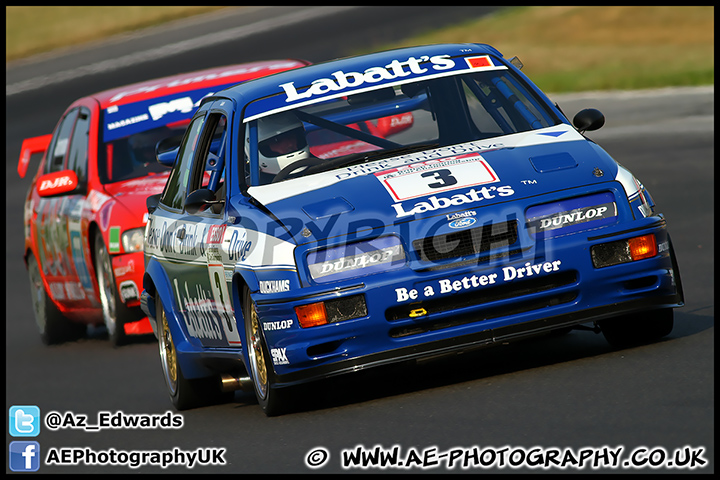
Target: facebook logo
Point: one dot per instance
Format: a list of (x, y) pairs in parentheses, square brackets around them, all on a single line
[(24, 456), (24, 421)]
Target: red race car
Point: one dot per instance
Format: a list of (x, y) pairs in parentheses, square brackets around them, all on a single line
[(85, 212)]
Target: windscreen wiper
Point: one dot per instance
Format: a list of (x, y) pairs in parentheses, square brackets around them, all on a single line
[(395, 152), (358, 158), (344, 130)]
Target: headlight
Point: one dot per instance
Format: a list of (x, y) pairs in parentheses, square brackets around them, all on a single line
[(132, 240), (331, 311), (624, 251), (356, 259)]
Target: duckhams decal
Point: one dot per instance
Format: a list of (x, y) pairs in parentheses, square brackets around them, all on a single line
[(274, 286)]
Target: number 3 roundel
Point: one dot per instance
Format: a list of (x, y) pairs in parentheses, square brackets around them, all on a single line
[(438, 175)]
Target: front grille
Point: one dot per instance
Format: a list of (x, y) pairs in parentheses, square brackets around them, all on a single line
[(543, 296), (497, 312), (466, 242)]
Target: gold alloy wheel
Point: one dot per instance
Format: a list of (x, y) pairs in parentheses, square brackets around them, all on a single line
[(257, 358), (167, 354)]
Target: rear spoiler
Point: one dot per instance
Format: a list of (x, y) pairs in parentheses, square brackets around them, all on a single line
[(31, 146)]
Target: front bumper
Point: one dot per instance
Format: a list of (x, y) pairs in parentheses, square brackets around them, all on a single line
[(413, 314), (128, 270), (427, 308)]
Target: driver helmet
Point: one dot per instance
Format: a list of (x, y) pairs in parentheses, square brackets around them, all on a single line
[(281, 141)]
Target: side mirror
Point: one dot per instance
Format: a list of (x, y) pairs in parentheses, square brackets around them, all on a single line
[(588, 119), (200, 198), (168, 158), (152, 202), (167, 149), (57, 183)]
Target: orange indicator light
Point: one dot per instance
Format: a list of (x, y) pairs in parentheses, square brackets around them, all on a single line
[(642, 247), (311, 315)]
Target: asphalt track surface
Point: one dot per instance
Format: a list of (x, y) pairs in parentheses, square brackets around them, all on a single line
[(565, 394)]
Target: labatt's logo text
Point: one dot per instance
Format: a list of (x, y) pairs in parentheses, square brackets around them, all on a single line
[(436, 203), (394, 70)]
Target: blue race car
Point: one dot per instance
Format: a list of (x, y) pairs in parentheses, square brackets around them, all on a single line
[(390, 207)]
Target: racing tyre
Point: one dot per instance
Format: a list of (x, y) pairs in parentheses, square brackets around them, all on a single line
[(184, 393), (676, 273), (54, 326), (115, 312), (638, 328), (271, 399)]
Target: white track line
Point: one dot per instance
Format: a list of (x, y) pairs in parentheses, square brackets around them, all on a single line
[(171, 49)]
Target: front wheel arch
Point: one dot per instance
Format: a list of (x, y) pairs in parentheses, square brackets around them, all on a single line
[(93, 230), (116, 313), (259, 365), (638, 328), (239, 286), (53, 326)]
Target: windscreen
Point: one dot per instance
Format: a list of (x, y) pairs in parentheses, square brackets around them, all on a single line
[(389, 121), (131, 131)]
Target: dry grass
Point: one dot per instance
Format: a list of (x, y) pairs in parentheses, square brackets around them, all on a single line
[(563, 48), (32, 30), (587, 48)]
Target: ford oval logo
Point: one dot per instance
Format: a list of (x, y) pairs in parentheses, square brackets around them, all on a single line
[(462, 222)]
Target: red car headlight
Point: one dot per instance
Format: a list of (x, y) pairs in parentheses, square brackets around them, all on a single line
[(132, 240)]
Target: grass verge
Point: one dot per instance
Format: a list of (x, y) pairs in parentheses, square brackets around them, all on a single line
[(33, 30), (567, 49), (564, 49)]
